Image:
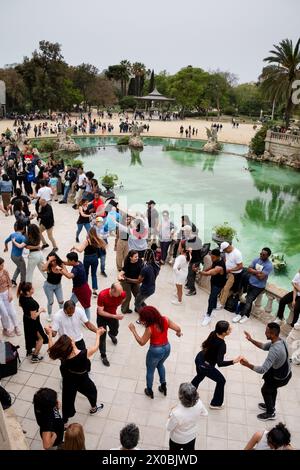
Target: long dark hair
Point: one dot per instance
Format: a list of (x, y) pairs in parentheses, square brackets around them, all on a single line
[(59, 261), (185, 251), (220, 328), (149, 258), (61, 349), (151, 316), (24, 288), (33, 235), (131, 253)]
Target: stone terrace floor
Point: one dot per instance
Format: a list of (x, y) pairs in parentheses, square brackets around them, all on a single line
[(121, 386)]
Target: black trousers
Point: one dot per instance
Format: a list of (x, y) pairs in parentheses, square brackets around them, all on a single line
[(286, 300), (269, 391), (188, 446), (70, 386), (113, 326), (205, 370), (191, 277)]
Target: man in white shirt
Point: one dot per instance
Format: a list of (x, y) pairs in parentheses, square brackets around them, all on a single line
[(234, 270), (45, 192), (69, 320), (81, 181)]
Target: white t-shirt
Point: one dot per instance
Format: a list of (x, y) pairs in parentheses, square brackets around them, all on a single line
[(183, 422), (296, 280), (70, 326), (81, 179), (45, 193), (233, 259)]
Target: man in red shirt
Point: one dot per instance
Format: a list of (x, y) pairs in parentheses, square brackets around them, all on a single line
[(108, 302), (97, 205)]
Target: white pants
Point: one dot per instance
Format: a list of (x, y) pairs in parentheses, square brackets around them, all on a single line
[(7, 312), (35, 259)]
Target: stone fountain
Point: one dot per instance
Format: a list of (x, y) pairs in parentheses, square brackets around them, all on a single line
[(212, 145), (135, 140)]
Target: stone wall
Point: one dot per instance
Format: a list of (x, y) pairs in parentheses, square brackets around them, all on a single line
[(282, 148)]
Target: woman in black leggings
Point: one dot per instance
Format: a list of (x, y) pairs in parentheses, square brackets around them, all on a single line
[(213, 352), (75, 368)]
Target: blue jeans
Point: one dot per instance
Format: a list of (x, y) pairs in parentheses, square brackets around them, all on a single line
[(50, 290), (91, 261), (213, 298), (102, 256), (67, 189), (87, 227), (155, 359), (206, 370), (86, 310)]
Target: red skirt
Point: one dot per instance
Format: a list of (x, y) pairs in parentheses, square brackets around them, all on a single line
[(84, 295)]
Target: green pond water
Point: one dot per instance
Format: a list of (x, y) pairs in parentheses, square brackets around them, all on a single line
[(261, 201)]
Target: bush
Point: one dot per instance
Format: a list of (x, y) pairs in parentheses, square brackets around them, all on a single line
[(127, 102), (46, 145), (75, 163), (124, 140), (229, 111), (257, 144), (225, 232), (109, 180)]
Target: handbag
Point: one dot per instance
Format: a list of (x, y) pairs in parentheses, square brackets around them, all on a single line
[(5, 398), (9, 359)]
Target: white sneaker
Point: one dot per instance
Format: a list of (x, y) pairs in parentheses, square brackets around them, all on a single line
[(212, 407), (176, 302), (219, 307), (297, 325), (278, 321), (49, 319), (244, 319), (237, 318), (206, 320)]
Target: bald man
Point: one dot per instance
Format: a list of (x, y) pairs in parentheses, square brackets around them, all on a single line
[(108, 302)]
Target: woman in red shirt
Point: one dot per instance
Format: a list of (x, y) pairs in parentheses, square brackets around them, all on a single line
[(157, 332)]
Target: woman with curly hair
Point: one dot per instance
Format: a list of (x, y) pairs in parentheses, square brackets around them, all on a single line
[(157, 333)]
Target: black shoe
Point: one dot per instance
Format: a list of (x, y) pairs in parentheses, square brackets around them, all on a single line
[(262, 406), (113, 338), (105, 361), (95, 410), (35, 358), (163, 389), (62, 202), (266, 416), (45, 246), (55, 250), (75, 206), (104, 274), (128, 311), (149, 392), (77, 240), (14, 283), (191, 292)]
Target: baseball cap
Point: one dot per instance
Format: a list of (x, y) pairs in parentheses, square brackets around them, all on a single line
[(151, 202), (223, 246), (99, 219)]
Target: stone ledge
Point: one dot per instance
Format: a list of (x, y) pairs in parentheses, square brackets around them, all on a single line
[(16, 437)]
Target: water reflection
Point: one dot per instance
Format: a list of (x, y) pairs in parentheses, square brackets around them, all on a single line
[(191, 159), (278, 210), (135, 157)]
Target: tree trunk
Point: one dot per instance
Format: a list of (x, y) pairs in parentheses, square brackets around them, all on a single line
[(288, 112)]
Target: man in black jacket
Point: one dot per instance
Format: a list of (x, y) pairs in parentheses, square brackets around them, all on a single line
[(194, 245), (70, 177), (46, 218)]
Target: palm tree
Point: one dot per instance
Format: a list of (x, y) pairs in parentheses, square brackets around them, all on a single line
[(125, 75), (138, 69), (278, 77)]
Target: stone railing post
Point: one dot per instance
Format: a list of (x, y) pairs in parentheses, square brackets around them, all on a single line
[(257, 308)]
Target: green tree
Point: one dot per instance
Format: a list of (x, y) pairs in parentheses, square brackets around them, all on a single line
[(139, 70), (84, 77), (15, 89), (249, 100), (151, 82), (188, 86), (278, 77), (127, 102), (217, 90)]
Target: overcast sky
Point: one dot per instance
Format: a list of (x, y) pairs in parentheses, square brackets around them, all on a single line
[(231, 35)]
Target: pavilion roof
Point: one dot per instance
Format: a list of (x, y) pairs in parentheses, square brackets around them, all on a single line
[(154, 96)]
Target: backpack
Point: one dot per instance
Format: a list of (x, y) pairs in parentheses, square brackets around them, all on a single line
[(232, 303), (9, 359), (5, 398)]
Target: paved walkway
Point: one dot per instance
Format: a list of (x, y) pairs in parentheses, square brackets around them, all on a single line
[(121, 386)]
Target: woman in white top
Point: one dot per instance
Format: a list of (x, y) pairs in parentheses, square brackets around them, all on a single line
[(279, 438), (180, 269), (183, 420)]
